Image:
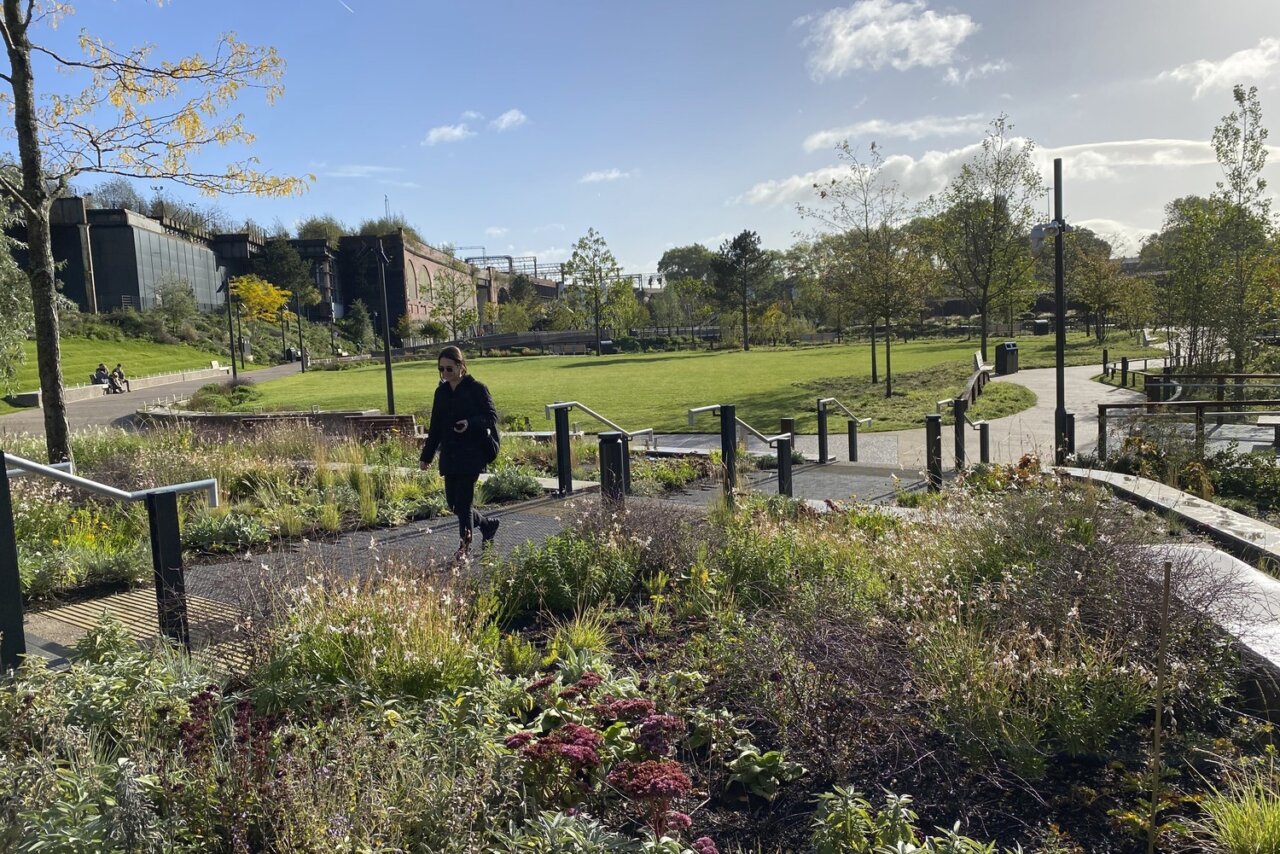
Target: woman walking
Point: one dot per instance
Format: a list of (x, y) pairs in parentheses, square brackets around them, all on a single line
[(461, 417)]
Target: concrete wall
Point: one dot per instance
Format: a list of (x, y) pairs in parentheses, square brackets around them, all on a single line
[(76, 393)]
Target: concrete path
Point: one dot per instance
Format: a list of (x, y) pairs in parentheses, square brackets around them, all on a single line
[(116, 410)]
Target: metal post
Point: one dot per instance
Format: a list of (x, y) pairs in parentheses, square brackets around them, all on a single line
[(386, 328), (1177, 354), (1069, 437), (166, 560), (788, 426), (784, 467), (612, 490), (231, 333), (1124, 371), (302, 346), (1200, 431), (984, 442), (853, 440), (13, 640), (1060, 312), (1221, 383), (564, 461), (822, 434), (626, 463), (1102, 433), (958, 408), (729, 447), (933, 450), (1105, 363)]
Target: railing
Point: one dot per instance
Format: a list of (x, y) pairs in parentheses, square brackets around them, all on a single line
[(854, 423), (166, 550), (730, 424), (1198, 409), (960, 412), (564, 461)]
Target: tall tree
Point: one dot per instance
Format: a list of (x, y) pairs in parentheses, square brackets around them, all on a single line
[(1246, 226), (356, 325), (134, 117), (740, 275), (589, 271), (117, 193), (281, 265), (259, 299), (981, 220), (1191, 254), (686, 262)]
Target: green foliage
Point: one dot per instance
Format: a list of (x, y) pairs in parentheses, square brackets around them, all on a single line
[(509, 483), (762, 773), (1243, 815), (223, 397), (231, 531), (565, 573)]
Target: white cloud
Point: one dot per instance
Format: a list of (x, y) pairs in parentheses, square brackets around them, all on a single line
[(508, 120), (875, 33), (1125, 239), (550, 255), (495, 231), (603, 175), (405, 185), (1106, 161), (472, 116), (913, 130), (448, 133), (956, 77), (359, 170), (1250, 63)]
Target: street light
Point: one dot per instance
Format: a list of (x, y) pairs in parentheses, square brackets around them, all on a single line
[(1063, 428), (224, 288), (383, 260)]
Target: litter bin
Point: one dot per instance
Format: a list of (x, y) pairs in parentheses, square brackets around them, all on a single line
[(1007, 358), (1040, 327)]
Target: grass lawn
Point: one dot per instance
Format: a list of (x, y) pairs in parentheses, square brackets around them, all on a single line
[(80, 356), (656, 389)]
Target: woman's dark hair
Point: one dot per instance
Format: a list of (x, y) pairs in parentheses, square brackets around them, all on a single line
[(453, 354)]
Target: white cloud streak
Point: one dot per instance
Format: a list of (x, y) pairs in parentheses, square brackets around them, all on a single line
[(875, 33), (1255, 63), (602, 175), (956, 77), (359, 170), (448, 133), (915, 129), (508, 120)]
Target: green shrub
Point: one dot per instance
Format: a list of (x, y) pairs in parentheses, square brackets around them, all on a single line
[(214, 531), (1243, 817), (566, 573), (509, 483)]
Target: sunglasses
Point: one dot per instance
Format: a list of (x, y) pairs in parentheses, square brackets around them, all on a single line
[(448, 369)]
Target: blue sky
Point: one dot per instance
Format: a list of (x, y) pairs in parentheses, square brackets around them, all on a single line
[(518, 125)]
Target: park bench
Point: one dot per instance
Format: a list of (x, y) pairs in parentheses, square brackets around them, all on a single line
[(366, 427)]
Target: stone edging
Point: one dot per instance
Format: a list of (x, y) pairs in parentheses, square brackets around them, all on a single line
[(76, 393)]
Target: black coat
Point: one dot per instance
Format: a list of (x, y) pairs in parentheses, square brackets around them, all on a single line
[(460, 453)]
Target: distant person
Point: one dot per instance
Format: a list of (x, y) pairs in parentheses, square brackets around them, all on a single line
[(118, 382), (462, 414), (101, 375)]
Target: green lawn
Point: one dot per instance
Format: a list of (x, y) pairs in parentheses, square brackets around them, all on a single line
[(656, 389), (80, 356)]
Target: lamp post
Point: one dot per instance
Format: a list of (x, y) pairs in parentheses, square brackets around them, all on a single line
[(383, 260), (225, 288), (240, 334), (302, 350), (1063, 438)]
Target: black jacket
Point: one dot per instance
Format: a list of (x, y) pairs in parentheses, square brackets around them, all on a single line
[(460, 453)]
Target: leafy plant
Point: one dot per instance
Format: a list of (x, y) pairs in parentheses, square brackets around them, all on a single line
[(509, 483), (762, 774)]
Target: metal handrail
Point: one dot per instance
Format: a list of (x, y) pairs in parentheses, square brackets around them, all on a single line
[(771, 441), (823, 401), (21, 472), (209, 486), (630, 434), (937, 407)]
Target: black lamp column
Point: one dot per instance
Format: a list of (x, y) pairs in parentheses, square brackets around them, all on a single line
[(1060, 432), (386, 327)]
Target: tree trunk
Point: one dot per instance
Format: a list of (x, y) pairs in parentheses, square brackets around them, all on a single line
[(875, 377), (888, 363), (985, 317), (746, 340), (37, 201)]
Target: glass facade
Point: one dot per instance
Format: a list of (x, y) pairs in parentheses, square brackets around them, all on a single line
[(163, 258)]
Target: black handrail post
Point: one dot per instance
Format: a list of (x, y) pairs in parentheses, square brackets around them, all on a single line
[(166, 560), (13, 639), (933, 451), (626, 462), (1124, 372), (1069, 437), (984, 442), (784, 466), (853, 440), (822, 433), (1222, 396), (1102, 433), (1105, 367), (788, 426), (564, 459), (729, 447), (958, 408), (612, 489)]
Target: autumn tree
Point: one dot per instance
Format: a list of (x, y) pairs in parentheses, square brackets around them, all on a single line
[(454, 301), (259, 299), (133, 116), (980, 222)]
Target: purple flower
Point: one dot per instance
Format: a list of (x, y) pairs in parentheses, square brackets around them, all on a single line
[(518, 740), (658, 731), (677, 820), (704, 845)]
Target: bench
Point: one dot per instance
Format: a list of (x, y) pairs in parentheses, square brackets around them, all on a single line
[(367, 427)]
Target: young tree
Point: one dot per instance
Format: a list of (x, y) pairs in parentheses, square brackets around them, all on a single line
[(741, 272), (281, 265), (176, 303), (590, 270), (405, 329), (433, 330), (117, 193), (134, 117), (455, 301), (981, 220), (513, 317), (1092, 278), (356, 325), (622, 311), (1246, 227)]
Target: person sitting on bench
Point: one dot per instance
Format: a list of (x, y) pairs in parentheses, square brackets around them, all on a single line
[(100, 376), (118, 382)]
